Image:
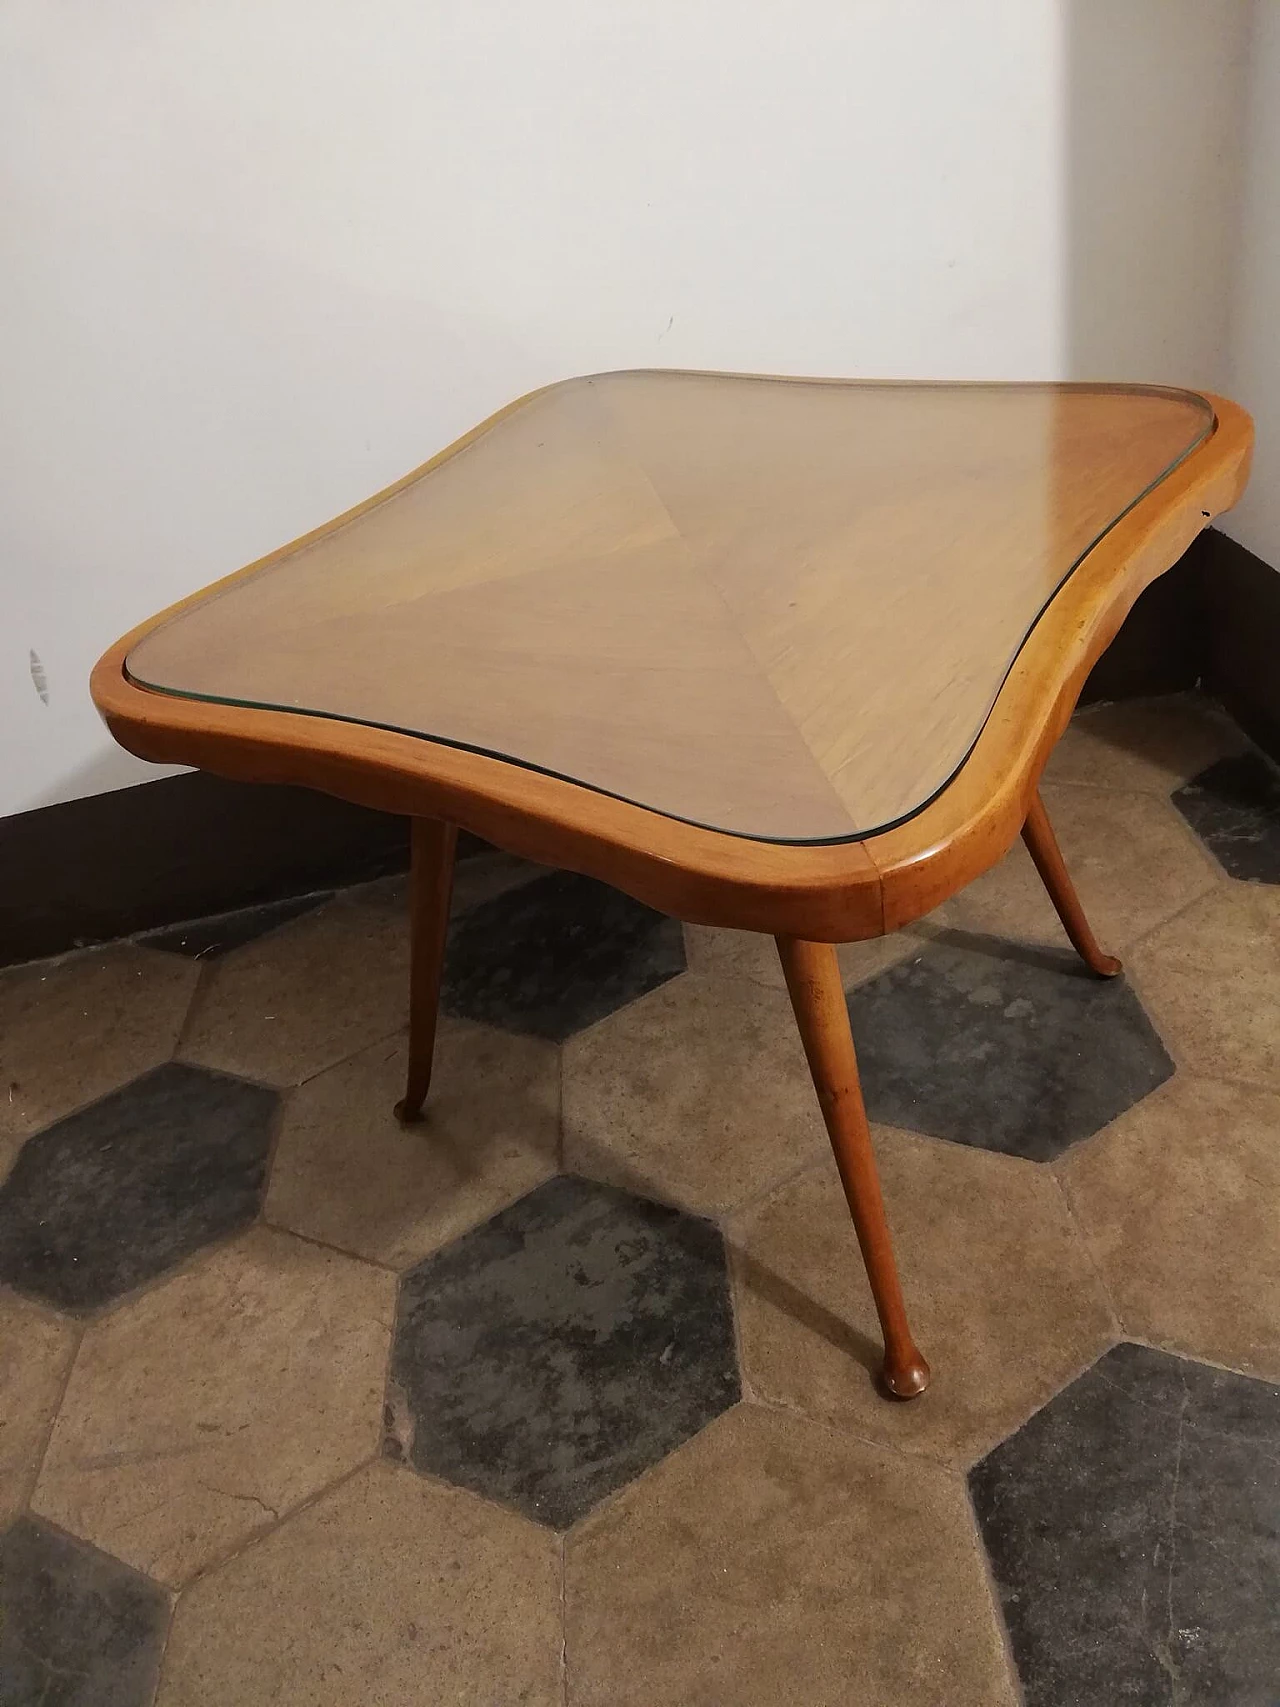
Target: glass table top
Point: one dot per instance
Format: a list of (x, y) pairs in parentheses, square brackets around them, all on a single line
[(779, 608)]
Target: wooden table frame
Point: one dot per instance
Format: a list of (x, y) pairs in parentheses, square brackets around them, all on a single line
[(809, 897)]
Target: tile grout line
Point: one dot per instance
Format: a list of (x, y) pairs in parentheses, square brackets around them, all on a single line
[(265, 1531), (266, 1225), (993, 1589), (42, 1452), (954, 1469), (564, 1620)]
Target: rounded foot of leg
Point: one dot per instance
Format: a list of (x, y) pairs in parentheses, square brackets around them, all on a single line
[(1106, 966), (406, 1115), (905, 1377)]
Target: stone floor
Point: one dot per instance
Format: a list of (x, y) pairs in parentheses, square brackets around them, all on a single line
[(567, 1395)]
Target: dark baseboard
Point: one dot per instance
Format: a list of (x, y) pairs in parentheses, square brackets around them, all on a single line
[(188, 846), (1242, 663), (1160, 646), (176, 849)]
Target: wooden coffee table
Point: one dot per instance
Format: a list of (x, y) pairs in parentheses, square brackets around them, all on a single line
[(785, 655)]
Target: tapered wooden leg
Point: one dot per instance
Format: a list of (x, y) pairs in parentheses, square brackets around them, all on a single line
[(1043, 847), (813, 978), (432, 848)]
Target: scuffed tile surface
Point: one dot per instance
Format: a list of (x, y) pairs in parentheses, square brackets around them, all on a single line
[(1211, 980), (770, 1561), (1131, 861), (348, 1173), (1002, 1046), (76, 1628), (549, 1356), (1134, 1530), (1234, 808), (128, 1187), (204, 1410), (1003, 1299), (1179, 1202), (388, 1592), (72, 1030), (553, 956), (699, 1093), (308, 995), (35, 1351)]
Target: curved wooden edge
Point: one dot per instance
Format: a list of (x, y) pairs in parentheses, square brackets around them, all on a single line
[(980, 814), (833, 893)]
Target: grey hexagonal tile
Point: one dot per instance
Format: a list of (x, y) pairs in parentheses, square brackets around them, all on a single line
[(1234, 808), (554, 1353), (1134, 1530), (77, 1629), (1003, 1046), (114, 1195), (555, 955)]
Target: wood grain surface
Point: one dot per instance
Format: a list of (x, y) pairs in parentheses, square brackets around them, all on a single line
[(797, 653), (773, 607)]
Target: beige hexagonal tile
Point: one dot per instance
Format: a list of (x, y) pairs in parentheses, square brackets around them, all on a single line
[(1211, 981), (1002, 1297), (1132, 858), (1149, 746), (71, 1030), (347, 1172), (769, 1561), (388, 1591), (1179, 1201), (698, 1093), (318, 990), (35, 1349), (205, 1409), (720, 953)]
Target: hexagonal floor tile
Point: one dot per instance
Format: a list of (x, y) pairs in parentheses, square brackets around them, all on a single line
[(348, 1173), (699, 1093), (770, 1561), (1134, 1529), (1144, 745), (1002, 1046), (1178, 1202), (73, 1029), (999, 1288), (206, 1408), (211, 937), (1211, 980), (553, 956), (1130, 857), (35, 1351), (1234, 808), (553, 1354), (386, 1591), (77, 1629), (114, 1195), (305, 996)]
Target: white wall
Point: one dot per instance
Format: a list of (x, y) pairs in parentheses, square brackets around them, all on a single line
[(1254, 376), (1153, 136), (262, 256)]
